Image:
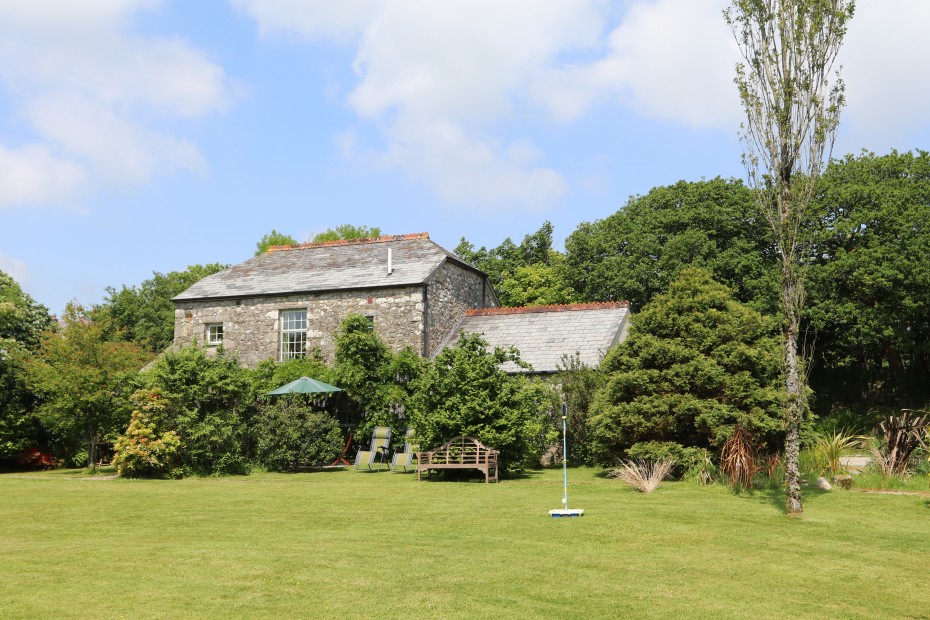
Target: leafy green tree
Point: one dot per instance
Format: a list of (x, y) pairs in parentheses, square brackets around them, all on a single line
[(865, 281), (579, 383), (346, 231), (402, 369), (635, 253), (376, 382), (376, 379), (539, 284), (465, 392), (523, 273), (869, 286), (22, 322), (145, 314), (361, 357), (271, 374), (273, 238), (792, 95), (290, 434), (20, 427), (696, 363), (84, 381), (208, 398), (21, 318)]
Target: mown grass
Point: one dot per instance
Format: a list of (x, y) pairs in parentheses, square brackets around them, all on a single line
[(341, 543)]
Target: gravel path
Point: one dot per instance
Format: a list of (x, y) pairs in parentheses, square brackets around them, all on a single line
[(855, 464)]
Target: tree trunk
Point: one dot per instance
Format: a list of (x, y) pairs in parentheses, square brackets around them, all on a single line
[(794, 388), (91, 449)]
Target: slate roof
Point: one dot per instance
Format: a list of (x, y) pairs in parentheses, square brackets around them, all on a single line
[(544, 333), (327, 266)]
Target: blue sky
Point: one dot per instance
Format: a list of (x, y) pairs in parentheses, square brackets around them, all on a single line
[(145, 135)]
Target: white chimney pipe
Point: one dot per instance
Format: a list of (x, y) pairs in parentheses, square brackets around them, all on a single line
[(390, 262)]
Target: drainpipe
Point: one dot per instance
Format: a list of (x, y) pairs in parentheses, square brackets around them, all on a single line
[(425, 321)]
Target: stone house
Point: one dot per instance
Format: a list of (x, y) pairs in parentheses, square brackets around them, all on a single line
[(292, 298)]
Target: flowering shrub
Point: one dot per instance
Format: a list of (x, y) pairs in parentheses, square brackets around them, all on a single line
[(36, 459), (141, 452)]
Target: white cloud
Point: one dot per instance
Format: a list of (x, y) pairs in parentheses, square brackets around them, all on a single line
[(70, 19), (437, 77), (887, 76), (674, 60), (94, 96), (439, 80), (340, 20), (668, 59), (33, 175), (471, 171), (15, 268), (120, 150), (467, 59)]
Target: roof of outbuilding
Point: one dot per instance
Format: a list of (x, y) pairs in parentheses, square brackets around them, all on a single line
[(543, 334), (327, 266)]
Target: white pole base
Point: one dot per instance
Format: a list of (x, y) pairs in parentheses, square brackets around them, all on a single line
[(567, 512)]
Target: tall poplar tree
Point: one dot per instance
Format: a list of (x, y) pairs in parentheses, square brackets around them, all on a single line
[(792, 95)]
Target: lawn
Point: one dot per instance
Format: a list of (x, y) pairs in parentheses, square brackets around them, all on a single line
[(341, 543)]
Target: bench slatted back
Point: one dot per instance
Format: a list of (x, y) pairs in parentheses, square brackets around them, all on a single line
[(462, 450)]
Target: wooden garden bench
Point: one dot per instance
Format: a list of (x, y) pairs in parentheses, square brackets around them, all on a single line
[(460, 453)]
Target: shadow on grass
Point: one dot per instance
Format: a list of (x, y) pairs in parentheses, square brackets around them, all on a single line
[(775, 495), (468, 476), (325, 469), (523, 474), (101, 470), (363, 471)]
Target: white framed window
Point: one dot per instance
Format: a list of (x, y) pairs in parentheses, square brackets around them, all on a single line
[(293, 334), (214, 333)]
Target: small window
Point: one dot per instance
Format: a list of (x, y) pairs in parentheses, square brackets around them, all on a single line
[(371, 320), (293, 334), (215, 333)]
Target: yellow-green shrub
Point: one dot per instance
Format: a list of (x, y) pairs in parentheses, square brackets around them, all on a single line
[(141, 452)]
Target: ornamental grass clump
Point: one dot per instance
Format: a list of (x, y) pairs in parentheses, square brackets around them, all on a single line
[(701, 467), (831, 447), (738, 460), (645, 476)]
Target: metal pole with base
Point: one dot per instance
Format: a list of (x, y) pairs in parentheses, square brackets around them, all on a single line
[(565, 511)]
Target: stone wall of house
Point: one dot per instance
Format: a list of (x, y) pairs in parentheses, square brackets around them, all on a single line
[(251, 326), (451, 291)]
